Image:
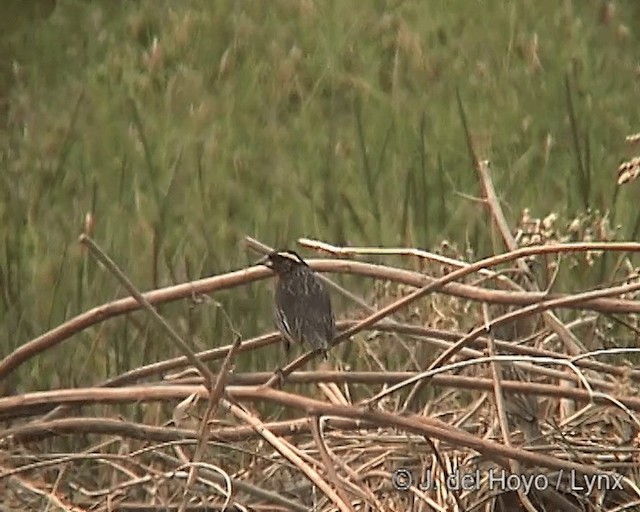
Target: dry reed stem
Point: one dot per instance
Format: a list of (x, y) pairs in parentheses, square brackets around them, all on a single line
[(203, 431), (243, 277), (103, 258), (286, 450), (345, 451), (438, 338), (417, 424), (459, 274), (30, 403)]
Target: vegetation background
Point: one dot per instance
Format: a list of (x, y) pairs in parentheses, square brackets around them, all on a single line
[(177, 128)]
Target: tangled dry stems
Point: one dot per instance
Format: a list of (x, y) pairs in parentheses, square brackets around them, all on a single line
[(360, 432)]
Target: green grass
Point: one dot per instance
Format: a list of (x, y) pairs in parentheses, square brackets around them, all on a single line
[(184, 126)]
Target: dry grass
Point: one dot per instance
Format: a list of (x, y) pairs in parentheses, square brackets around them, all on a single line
[(352, 439)]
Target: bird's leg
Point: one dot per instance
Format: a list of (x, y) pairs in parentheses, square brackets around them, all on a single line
[(278, 372)]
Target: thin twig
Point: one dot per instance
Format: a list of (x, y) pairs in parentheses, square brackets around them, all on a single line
[(102, 257)]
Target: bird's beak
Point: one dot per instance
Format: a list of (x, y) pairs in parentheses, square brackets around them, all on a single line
[(264, 261)]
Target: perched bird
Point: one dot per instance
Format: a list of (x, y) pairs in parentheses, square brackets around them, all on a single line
[(522, 410), (301, 305)]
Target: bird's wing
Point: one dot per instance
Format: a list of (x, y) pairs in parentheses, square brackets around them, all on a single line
[(282, 324)]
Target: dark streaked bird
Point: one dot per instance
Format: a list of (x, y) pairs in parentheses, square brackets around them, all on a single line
[(522, 409), (301, 304)]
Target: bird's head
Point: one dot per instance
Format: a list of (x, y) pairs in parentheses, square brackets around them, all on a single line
[(282, 262)]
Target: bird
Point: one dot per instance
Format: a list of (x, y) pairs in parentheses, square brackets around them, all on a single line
[(522, 410), (302, 309)]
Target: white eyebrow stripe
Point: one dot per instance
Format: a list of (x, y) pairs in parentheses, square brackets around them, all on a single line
[(290, 256)]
